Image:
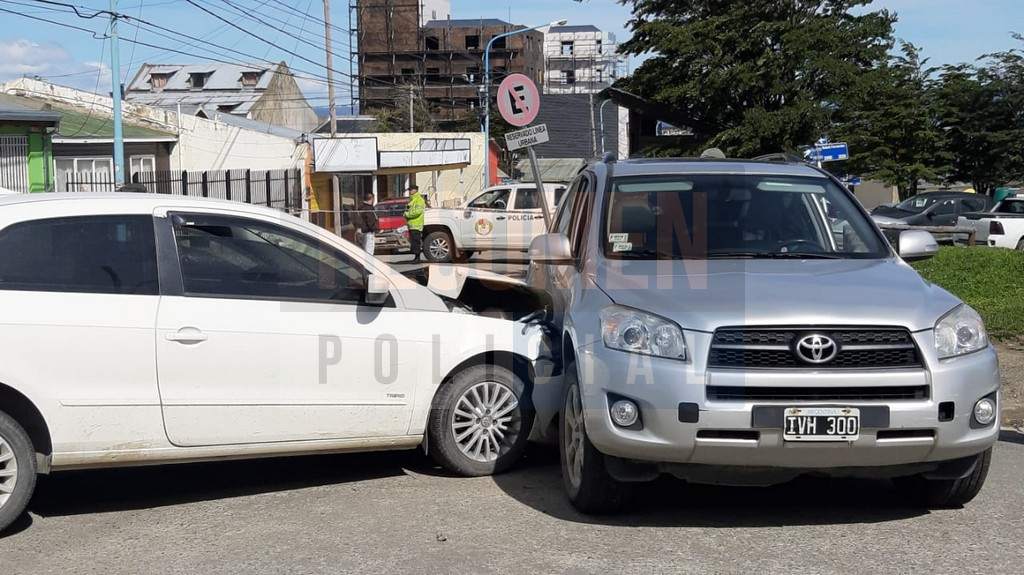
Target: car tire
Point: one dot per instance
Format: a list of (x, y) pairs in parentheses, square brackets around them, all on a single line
[(17, 455), (589, 486), (438, 247), (467, 431), (941, 493), (1020, 245)]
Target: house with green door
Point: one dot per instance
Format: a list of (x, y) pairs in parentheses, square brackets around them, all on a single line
[(26, 146)]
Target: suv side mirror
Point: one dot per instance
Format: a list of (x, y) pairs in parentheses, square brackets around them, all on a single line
[(551, 249), (377, 289), (917, 245)]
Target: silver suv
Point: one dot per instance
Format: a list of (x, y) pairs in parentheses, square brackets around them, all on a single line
[(743, 322)]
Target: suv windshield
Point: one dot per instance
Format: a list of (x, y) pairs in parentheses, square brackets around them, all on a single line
[(918, 203), (730, 216)]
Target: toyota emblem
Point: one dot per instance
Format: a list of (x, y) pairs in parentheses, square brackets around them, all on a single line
[(816, 348)]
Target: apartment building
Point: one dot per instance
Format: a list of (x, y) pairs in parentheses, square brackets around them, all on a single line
[(579, 60)]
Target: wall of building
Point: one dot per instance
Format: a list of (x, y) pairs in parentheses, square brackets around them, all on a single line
[(593, 62), (284, 104), (40, 161)]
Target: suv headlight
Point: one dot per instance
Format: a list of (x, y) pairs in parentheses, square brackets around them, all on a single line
[(631, 330), (960, 331)]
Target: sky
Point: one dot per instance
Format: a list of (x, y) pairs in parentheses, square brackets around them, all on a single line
[(949, 31)]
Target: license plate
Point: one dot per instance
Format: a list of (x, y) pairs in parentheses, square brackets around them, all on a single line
[(821, 424)]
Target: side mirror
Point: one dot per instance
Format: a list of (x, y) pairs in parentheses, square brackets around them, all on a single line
[(377, 289), (917, 245), (551, 249)]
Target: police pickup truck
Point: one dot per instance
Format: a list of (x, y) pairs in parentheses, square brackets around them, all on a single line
[(501, 218)]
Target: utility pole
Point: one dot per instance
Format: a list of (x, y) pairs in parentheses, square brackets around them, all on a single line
[(115, 76), (330, 67), (412, 122)]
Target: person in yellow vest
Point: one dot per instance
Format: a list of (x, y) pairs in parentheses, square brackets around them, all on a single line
[(414, 219)]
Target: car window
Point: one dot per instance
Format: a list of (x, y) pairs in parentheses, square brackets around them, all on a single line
[(973, 205), (735, 216), (492, 199), (1011, 207), (245, 258), (945, 208), (87, 254), (563, 217), (527, 199), (580, 217), (559, 192)]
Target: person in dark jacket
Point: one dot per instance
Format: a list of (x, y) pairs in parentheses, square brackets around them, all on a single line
[(366, 223)]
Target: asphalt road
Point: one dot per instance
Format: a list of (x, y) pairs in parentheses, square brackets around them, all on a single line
[(396, 512)]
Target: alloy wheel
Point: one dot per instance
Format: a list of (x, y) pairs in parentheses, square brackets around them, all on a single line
[(486, 421), (439, 248), (573, 436), (8, 471)]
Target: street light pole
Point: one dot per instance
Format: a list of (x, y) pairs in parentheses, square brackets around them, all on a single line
[(115, 92), (485, 92)]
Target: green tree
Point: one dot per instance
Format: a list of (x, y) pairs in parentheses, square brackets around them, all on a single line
[(892, 127), (981, 113), (394, 117), (755, 77)]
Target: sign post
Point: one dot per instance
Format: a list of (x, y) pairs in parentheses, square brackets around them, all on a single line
[(519, 104)]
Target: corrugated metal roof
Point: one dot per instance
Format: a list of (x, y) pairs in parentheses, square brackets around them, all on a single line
[(252, 125), (467, 23), (221, 77)]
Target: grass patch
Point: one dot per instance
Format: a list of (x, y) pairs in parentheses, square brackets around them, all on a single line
[(991, 280)]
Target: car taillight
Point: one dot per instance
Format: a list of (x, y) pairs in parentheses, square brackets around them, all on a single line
[(995, 228)]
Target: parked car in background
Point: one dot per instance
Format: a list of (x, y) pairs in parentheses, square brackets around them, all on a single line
[(941, 208), (393, 232), (502, 218), (1002, 226), (717, 326), (268, 336)]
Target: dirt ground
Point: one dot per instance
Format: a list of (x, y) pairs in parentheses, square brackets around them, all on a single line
[(1011, 361)]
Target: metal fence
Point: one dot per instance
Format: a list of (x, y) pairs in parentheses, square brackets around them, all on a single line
[(281, 189), (14, 163)]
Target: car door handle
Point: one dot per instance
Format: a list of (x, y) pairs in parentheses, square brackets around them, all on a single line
[(500, 218), (187, 335)]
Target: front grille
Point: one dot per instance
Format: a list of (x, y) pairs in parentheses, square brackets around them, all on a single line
[(750, 393), (773, 348)]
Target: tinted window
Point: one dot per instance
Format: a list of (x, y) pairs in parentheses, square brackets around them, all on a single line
[(945, 208), (527, 199), (89, 254), (563, 216), (239, 257), (974, 204), (1011, 207)]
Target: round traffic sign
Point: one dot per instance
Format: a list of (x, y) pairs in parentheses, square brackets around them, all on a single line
[(518, 100)]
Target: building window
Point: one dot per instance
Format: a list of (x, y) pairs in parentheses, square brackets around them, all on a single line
[(568, 48), (433, 43), (158, 81), (598, 47), (568, 76), (473, 42), (408, 71), (138, 165), (433, 73), (197, 80), (599, 75), (499, 44), (250, 79)]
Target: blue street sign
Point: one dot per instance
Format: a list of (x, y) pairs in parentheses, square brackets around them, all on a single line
[(852, 181), (832, 152)]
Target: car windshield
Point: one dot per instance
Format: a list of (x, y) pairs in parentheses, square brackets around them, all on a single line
[(1011, 207), (735, 216)]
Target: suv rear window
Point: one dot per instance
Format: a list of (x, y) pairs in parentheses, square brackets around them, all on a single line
[(83, 254)]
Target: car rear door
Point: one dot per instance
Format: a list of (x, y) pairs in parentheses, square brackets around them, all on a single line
[(266, 338), (525, 219)]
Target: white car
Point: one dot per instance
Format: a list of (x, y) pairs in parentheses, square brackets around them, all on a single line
[(144, 329), (1003, 227), (501, 218)]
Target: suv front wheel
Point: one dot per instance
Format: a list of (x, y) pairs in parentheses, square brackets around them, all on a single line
[(587, 483), (940, 493), (17, 470)]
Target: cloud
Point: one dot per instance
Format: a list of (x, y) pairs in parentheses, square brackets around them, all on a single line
[(22, 57)]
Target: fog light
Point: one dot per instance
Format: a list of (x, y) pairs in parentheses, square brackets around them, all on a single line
[(985, 411), (624, 413)]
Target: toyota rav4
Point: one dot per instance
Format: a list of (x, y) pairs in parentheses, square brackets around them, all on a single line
[(742, 322)]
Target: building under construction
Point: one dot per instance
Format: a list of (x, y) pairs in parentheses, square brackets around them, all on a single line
[(413, 49)]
